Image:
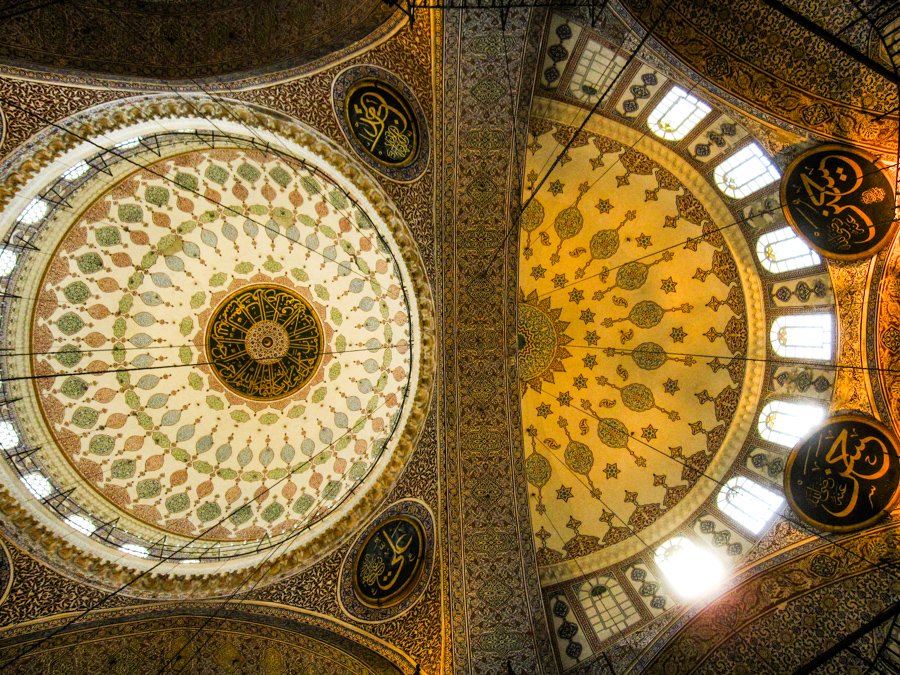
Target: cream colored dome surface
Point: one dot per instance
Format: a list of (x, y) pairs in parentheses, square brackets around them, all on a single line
[(223, 348)]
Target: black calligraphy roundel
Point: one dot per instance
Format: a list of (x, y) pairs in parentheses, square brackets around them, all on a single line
[(845, 476), (382, 120), (264, 342), (839, 201), (390, 562)]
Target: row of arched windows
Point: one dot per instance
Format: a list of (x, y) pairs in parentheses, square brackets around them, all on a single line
[(739, 175), (692, 570)]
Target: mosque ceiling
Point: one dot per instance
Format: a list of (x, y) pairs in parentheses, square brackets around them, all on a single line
[(750, 53), (213, 42), (619, 259), (634, 328)]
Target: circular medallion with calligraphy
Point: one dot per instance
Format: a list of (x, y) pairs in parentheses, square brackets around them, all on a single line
[(840, 201), (390, 562), (388, 567), (382, 120), (264, 342), (845, 475)]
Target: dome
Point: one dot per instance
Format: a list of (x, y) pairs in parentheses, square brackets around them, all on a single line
[(641, 329), (225, 349), (189, 42)]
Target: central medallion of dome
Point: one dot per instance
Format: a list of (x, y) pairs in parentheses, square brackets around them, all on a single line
[(264, 342)]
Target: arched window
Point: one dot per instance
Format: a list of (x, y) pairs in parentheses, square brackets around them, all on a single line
[(34, 212), (77, 171), (783, 251), (81, 524), (745, 172), (676, 115), (805, 336), (9, 437), (786, 423), (38, 485), (8, 260), (689, 569), (128, 144), (748, 502), (135, 550)]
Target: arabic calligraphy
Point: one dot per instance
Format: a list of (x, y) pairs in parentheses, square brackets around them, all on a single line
[(845, 476), (264, 342), (839, 201), (390, 562), (383, 122)]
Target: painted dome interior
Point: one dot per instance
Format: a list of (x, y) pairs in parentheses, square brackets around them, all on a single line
[(222, 347)]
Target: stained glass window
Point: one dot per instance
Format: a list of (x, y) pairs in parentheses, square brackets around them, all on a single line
[(783, 251), (676, 115), (748, 502), (745, 172), (690, 570), (785, 422), (805, 336)]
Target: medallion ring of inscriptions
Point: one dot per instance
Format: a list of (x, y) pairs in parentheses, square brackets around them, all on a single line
[(839, 201), (264, 342), (844, 476)]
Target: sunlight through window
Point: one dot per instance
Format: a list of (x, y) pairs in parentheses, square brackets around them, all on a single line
[(690, 570), (676, 115), (786, 423), (76, 172), (783, 251), (81, 524), (135, 550), (748, 502), (8, 260), (38, 485), (802, 336), (745, 172), (34, 212), (9, 437)]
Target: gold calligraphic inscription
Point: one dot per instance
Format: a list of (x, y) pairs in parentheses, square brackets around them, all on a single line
[(839, 201), (845, 476), (264, 342), (389, 563), (382, 121)]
